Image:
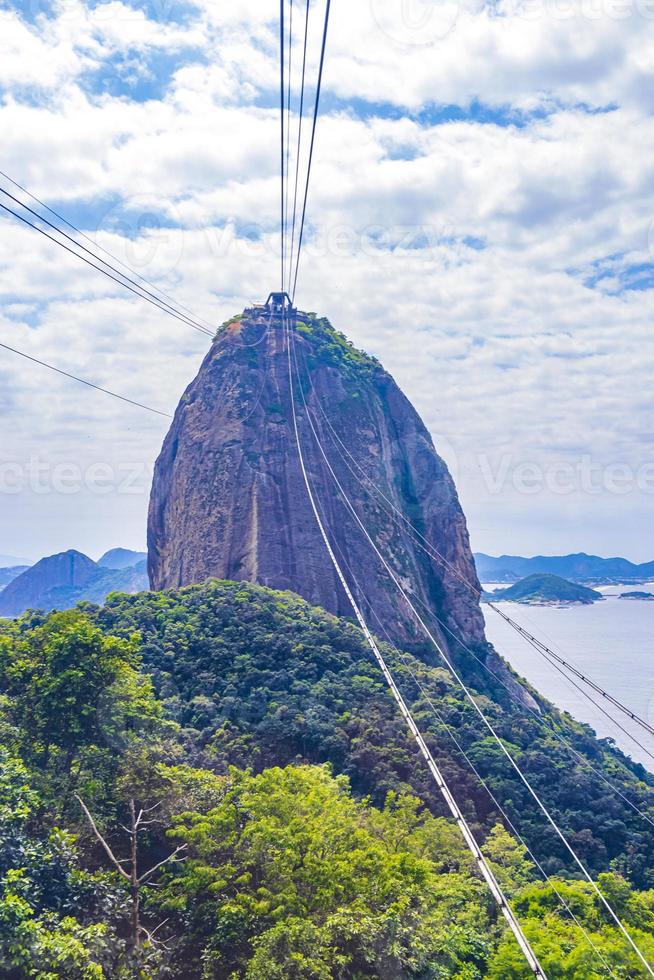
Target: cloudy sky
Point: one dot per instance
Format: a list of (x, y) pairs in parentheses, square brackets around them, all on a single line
[(481, 219)]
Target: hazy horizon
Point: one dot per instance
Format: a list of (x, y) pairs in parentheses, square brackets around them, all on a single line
[(33, 558)]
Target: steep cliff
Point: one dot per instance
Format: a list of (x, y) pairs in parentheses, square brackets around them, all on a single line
[(228, 499)]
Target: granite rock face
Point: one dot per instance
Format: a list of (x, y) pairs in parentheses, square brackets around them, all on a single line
[(228, 498)]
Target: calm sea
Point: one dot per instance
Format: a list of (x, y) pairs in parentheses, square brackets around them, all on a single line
[(610, 641)]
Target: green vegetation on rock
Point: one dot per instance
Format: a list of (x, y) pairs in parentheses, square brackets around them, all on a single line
[(333, 347)]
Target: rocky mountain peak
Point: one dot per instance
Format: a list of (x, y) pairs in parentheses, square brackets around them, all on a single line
[(60, 581), (67, 570), (228, 499)]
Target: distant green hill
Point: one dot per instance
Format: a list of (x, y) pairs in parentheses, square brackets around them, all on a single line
[(547, 588), (61, 581), (578, 568), (120, 558)]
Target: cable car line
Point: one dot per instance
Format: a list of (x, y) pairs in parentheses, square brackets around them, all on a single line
[(543, 720), (482, 863), (426, 546), (461, 750), (472, 700), (316, 110), (288, 132), (299, 136), (89, 384), (166, 307), (592, 700), (46, 234), (139, 291), (282, 89), (78, 231), (538, 644)]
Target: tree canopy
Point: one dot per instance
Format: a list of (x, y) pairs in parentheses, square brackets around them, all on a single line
[(285, 825)]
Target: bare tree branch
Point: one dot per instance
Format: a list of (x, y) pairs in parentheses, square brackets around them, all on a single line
[(160, 926), (114, 860), (136, 882), (171, 857)]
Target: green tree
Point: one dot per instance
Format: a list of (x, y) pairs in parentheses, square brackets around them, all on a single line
[(509, 860), (560, 943), (290, 876), (69, 687), (51, 912)]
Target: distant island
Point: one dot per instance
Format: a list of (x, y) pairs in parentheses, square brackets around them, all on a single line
[(542, 590), (575, 568), (647, 596)]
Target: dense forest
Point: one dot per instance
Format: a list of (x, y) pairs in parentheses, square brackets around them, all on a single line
[(214, 783)]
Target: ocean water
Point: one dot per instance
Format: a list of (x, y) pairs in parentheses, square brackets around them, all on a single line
[(611, 641)]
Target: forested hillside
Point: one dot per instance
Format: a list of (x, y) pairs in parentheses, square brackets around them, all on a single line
[(244, 744)]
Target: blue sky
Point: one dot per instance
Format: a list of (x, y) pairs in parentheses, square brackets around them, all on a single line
[(482, 219)]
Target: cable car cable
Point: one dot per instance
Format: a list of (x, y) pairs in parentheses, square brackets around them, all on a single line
[(46, 234), (143, 293), (288, 129), (299, 138), (106, 251), (81, 381), (316, 110), (544, 649), (282, 141), (477, 708), (482, 863)]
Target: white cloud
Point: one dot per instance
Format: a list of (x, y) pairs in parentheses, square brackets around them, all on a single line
[(478, 239)]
